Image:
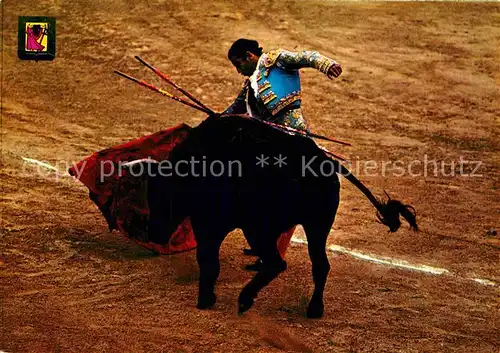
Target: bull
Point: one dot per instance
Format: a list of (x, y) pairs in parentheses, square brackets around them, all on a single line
[(235, 172)]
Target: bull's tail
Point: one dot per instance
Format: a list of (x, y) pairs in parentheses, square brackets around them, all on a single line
[(388, 212)]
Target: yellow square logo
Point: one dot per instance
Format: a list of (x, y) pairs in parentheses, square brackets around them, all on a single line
[(36, 36)]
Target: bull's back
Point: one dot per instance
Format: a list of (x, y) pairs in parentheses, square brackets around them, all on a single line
[(276, 177)]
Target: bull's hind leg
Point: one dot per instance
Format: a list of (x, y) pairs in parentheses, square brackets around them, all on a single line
[(272, 266), (207, 255), (317, 234)]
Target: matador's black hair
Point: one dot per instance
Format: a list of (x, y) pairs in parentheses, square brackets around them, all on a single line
[(241, 46)]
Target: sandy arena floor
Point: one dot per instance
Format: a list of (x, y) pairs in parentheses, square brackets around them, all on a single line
[(420, 85)]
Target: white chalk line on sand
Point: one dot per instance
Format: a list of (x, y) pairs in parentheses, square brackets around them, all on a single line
[(387, 261), (45, 166)]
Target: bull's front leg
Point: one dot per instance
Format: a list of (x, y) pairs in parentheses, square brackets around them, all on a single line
[(207, 255), (272, 266)]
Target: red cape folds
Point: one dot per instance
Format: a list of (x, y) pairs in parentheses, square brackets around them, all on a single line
[(122, 198)]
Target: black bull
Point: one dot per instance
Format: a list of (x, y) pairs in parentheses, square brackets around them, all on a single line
[(219, 183)]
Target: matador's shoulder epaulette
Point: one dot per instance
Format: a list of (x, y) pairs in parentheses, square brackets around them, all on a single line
[(271, 57)]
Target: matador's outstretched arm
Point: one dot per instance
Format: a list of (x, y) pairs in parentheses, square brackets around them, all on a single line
[(298, 60)]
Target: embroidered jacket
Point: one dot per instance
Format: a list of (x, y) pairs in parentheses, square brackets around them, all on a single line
[(273, 91)]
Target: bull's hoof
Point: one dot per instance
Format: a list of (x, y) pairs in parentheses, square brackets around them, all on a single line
[(206, 301), (315, 311), (244, 303)]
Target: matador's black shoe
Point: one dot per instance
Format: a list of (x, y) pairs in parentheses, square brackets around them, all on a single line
[(249, 252), (256, 266)]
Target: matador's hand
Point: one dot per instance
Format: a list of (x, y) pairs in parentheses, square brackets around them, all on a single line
[(334, 71)]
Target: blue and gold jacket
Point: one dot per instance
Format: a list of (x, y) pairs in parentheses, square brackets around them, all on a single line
[(273, 91)]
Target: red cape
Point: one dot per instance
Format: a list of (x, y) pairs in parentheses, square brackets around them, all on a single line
[(122, 198)]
